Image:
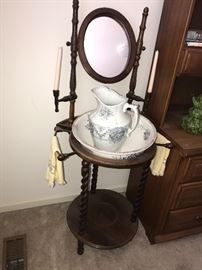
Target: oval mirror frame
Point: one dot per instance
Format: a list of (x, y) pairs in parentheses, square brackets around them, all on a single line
[(123, 22)]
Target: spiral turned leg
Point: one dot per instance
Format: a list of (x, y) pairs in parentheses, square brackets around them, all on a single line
[(140, 192), (83, 203), (94, 178)]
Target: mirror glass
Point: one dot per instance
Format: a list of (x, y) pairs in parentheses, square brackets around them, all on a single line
[(106, 47)]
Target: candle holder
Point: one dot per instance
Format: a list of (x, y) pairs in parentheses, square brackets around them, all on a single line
[(56, 94)]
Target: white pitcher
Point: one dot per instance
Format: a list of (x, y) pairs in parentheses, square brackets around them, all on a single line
[(111, 123)]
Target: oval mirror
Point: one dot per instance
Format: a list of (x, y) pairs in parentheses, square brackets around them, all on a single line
[(106, 45)]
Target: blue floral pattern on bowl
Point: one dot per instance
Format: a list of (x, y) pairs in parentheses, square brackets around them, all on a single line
[(112, 135)]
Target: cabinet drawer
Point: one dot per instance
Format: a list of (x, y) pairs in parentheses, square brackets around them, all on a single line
[(191, 61), (190, 195), (194, 170), (183, 219)]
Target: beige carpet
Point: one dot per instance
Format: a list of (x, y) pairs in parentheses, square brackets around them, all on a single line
[(51, 246)]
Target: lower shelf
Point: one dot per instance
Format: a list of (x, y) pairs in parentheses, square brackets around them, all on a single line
[(108, 220)]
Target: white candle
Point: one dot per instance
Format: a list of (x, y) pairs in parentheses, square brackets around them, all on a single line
[(153, 71), (58, 69)]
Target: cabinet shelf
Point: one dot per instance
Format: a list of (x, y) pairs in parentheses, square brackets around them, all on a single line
[(187, 143)]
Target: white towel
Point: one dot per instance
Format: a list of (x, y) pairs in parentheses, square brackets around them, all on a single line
[(158, 164), (55, 170)]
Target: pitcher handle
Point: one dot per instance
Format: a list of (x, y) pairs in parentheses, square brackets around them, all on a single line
[(135, 118)]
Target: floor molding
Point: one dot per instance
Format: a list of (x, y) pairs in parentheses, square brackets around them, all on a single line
[(31, 204)]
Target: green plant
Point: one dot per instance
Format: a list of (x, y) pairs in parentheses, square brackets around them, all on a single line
[(192, 122)]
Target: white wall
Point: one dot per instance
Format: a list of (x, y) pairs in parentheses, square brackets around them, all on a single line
[(31, 31)]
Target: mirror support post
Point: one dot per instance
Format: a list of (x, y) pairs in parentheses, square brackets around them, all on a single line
[(73, 44), (66, 124), (130, 95)]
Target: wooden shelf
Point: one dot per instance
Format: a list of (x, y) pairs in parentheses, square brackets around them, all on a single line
[(188, 144), (108, 221)]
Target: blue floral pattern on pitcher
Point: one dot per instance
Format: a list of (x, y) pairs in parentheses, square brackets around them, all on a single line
[(110, 123)]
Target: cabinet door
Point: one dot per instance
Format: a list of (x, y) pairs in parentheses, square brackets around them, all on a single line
[(191, 62)]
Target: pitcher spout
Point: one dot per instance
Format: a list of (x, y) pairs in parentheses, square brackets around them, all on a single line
[(107, 96)]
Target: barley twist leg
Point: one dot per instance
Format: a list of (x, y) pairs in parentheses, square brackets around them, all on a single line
[(94, 178), (140, 192), (83, 203)]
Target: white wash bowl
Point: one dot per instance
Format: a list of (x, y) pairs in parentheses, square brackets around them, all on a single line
[(140, 139)]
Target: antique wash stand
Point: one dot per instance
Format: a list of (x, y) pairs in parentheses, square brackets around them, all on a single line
[(103, 218)]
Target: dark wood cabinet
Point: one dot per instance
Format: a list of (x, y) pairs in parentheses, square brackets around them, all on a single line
[(172, 205)]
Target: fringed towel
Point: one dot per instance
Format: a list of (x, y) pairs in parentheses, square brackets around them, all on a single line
[(158, 163), (55, 170)]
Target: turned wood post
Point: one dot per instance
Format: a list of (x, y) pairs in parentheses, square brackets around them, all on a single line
[(130, 95), (83, 203), (140, 192), (94, 178), (73, 43)]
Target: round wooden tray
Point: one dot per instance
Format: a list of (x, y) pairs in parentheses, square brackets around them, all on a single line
[(81, 151), (108, 220)]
